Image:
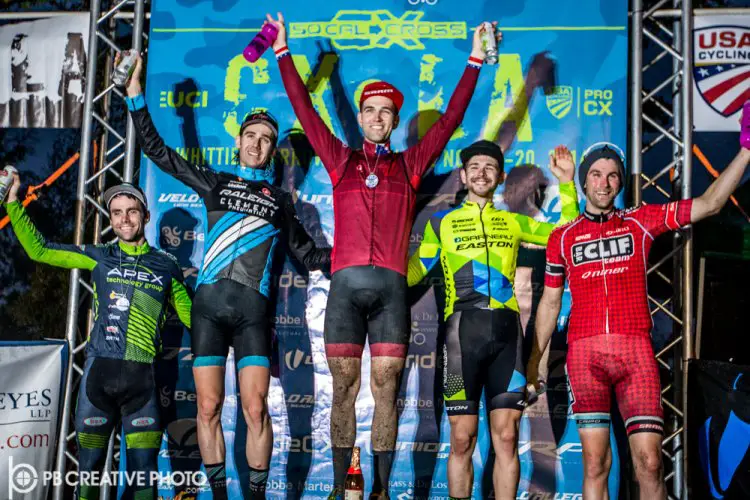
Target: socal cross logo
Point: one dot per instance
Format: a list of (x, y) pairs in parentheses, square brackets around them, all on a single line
[(721, 67)]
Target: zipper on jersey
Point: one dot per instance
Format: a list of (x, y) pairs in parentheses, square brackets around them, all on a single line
[(604, 277), (487, 253), (372, 223)]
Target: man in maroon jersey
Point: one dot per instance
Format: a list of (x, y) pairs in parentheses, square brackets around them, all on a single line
[(603, 254), (374, 193)]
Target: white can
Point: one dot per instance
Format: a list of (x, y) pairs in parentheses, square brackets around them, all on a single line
[(6, 180), (122, 72), (489, 43)]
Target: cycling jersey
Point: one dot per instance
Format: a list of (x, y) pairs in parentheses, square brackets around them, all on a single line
[(477, 248), (245, 218), (604, 258), (132, 285), (372, 224)]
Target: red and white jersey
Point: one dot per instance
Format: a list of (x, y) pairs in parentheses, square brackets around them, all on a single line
[(604, 258)]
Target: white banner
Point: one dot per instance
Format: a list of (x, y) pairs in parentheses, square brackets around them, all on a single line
[(721, 69), (42, 72), (31, 375)]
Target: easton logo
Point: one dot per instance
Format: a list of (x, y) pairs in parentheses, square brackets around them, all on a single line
[(607, 248)]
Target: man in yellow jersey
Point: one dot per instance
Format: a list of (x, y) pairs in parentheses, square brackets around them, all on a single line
[(477, 245)]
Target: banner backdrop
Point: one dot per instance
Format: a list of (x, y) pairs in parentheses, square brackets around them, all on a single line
[(719, 417), (721, 47), (42, 72), (31, 382), (545, 91)]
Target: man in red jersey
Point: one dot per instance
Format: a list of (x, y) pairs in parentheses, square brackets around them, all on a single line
[(603, 254), (374, 193)]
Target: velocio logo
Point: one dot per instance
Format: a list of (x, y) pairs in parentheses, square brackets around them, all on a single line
[(379, 29), (294, 359), (170, 99)]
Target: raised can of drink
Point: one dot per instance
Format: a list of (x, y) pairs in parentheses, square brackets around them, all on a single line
[(6, 180), (489, 43), (122, 72)]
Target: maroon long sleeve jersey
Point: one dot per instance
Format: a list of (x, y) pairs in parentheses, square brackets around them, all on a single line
[(372, 225)]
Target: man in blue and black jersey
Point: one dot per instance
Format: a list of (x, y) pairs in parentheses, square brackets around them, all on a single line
[(247, 216), (133, 283)]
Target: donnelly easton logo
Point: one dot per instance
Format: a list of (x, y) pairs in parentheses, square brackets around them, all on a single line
[(722, 67)]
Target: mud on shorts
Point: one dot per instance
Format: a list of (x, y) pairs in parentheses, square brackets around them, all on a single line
[(362, 301), (227, 313), (483, 349), (626, 363)]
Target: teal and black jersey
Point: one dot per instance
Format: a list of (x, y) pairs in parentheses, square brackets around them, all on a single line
[(132, 285)]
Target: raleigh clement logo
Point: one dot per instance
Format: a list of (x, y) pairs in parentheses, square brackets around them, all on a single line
[(378, 29)]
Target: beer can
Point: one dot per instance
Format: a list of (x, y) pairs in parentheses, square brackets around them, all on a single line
[(489, 43), (122, 72), (6, 180)]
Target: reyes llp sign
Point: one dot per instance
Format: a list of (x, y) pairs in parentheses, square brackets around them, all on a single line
[(721, 69), (43, 68)]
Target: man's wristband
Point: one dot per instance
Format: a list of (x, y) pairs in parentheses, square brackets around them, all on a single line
[(135, 103), (475, 62)]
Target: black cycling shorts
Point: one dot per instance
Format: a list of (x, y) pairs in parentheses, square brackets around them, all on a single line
[(227, 313), (362, 301), (483, 349)]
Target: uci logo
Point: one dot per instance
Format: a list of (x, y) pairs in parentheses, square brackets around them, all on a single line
[(170, 99)]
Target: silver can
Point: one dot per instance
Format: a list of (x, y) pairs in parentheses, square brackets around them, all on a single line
[(489, 43), (122, 72), (6, 180)]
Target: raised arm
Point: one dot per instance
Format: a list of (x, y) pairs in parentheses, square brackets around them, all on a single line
[(717, 194), (332, 152), (427, 255), (35, 245), (423, 155), (562, 167), (300, 243), (200, 179)]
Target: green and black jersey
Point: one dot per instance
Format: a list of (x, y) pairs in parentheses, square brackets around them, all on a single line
[(132, 285), (477, 248)]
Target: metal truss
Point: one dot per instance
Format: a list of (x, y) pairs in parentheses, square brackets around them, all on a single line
[(661, 122), (107, 155)]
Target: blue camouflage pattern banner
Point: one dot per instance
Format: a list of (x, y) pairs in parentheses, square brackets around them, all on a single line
[(561, 79)]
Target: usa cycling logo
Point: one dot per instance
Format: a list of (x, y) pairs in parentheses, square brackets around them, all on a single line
[(721, 66), (619, 247)]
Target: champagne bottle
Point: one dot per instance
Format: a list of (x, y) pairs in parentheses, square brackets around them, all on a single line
[(354, 486)]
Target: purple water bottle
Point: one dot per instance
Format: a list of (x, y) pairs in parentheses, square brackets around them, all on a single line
[(260, 43), (745, 126)]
